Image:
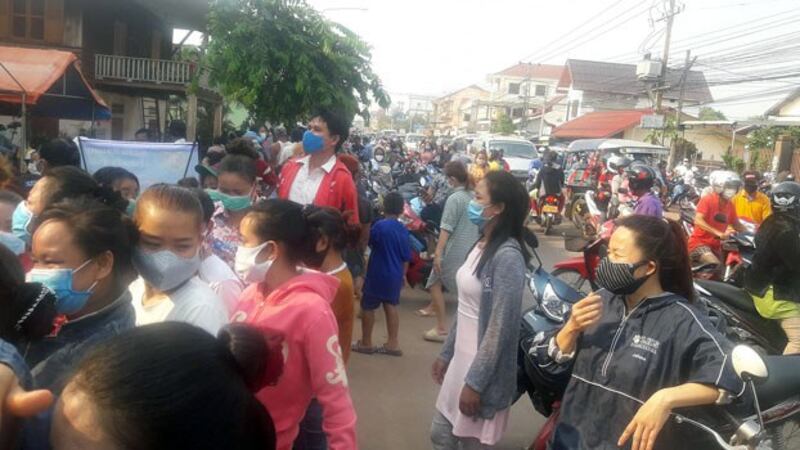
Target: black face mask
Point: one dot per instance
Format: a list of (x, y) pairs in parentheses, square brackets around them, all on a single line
[(721, 218), (618, 278), (750, 189)]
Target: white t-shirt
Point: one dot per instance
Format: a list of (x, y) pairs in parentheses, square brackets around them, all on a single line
[(194, 303), (222, 280), (287, 151), (306, 182)]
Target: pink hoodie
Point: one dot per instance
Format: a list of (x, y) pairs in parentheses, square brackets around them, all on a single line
[(313, 366)]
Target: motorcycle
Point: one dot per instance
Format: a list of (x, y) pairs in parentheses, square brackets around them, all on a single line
[(740, 249), (550, 212), (742, 322)]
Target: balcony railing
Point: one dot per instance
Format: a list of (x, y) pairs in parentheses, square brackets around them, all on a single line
[(142, 70)]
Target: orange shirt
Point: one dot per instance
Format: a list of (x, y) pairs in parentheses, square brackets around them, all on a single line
[(719, 214), (343, 309)]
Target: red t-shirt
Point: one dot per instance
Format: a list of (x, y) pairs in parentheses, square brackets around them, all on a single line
[(719, 214)]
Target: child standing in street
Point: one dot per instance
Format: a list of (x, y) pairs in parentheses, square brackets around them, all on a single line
[(390, 253)]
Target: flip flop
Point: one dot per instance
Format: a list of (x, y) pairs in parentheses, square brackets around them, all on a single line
[(424, 313), (433, 335), (382, 350), (359, 348)]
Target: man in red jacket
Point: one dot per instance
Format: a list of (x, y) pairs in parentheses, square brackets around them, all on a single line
[(318, 177)]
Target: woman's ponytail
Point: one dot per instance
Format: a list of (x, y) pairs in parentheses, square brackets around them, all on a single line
[(258, 355)]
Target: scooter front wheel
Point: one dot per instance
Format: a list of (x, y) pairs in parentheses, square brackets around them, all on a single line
[(574, 279)]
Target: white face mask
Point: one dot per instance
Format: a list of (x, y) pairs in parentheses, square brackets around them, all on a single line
[(379, 158), (728, 193), (246, 266)]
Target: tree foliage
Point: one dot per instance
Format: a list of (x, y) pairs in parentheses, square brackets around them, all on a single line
[(503, 124), (766, 137), (708, 113), (281, 59)]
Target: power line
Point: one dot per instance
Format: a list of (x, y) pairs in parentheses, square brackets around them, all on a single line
[(578, 32)]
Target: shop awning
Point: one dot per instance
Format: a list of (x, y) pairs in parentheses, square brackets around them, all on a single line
[(52, 83), (601, 124)]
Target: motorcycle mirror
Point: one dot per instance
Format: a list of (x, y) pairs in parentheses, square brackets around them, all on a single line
[(748, 364)]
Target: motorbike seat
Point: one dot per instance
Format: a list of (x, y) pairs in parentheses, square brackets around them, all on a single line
[(730, 295), (782, 383)]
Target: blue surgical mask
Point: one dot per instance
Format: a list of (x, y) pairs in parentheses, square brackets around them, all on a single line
[(312, 143), (21, 222), (164, 270), (12, 242), (131, 208), (68, 300), (475, 213)]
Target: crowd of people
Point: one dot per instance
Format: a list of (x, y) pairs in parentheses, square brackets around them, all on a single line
[(218, 311), (127, 304)]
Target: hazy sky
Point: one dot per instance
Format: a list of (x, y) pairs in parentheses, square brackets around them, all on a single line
[(437, 46)]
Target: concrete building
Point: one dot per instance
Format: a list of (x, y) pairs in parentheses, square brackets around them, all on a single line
[(126, 52), (592, 86), (453, 113)]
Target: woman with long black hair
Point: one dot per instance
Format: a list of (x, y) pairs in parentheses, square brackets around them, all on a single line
[(639, 347), (477, 365)]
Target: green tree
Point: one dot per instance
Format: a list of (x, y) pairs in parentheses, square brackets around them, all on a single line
[(708, 113), (281, 59), (503, 124)]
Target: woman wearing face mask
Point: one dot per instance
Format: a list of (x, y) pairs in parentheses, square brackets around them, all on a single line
[(378, 157), (82, 252), (59, 184), (235, 194), (477, 365), (639, 347), (170, 223), (296, 304), (479, 169), (456, 238)]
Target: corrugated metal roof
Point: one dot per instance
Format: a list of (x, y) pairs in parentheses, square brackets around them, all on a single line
[(529, 70), (618, 78), (601, 124)]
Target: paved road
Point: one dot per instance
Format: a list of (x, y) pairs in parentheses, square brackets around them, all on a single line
[(395, 397)]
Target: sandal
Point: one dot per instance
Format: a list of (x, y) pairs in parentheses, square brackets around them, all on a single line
[(382, 350), (424, 313), (433, 335), (358, 347)]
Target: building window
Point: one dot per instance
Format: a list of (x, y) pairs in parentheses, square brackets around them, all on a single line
[(513, 88), (467, 117), (516, 112), (574, 108), (28, 19), (541, 90)]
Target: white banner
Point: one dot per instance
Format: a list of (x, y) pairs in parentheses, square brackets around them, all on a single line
[(151, 162)]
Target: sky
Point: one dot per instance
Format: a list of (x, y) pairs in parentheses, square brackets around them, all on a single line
[(438, 46), (433, 47)]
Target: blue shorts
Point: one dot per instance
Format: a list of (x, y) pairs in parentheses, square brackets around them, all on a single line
[(371, 302)]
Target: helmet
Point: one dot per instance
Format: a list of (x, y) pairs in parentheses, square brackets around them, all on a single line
[(785, 197), (616, 162), (719, 178), (641, 177)]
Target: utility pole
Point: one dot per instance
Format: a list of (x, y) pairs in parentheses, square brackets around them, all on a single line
[(665, 57), (686, 66)]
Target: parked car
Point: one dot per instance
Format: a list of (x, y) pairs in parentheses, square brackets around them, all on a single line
[(412, 141), (517, 152)]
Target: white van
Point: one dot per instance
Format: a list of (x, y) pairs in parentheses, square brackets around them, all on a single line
[(517, 152)]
